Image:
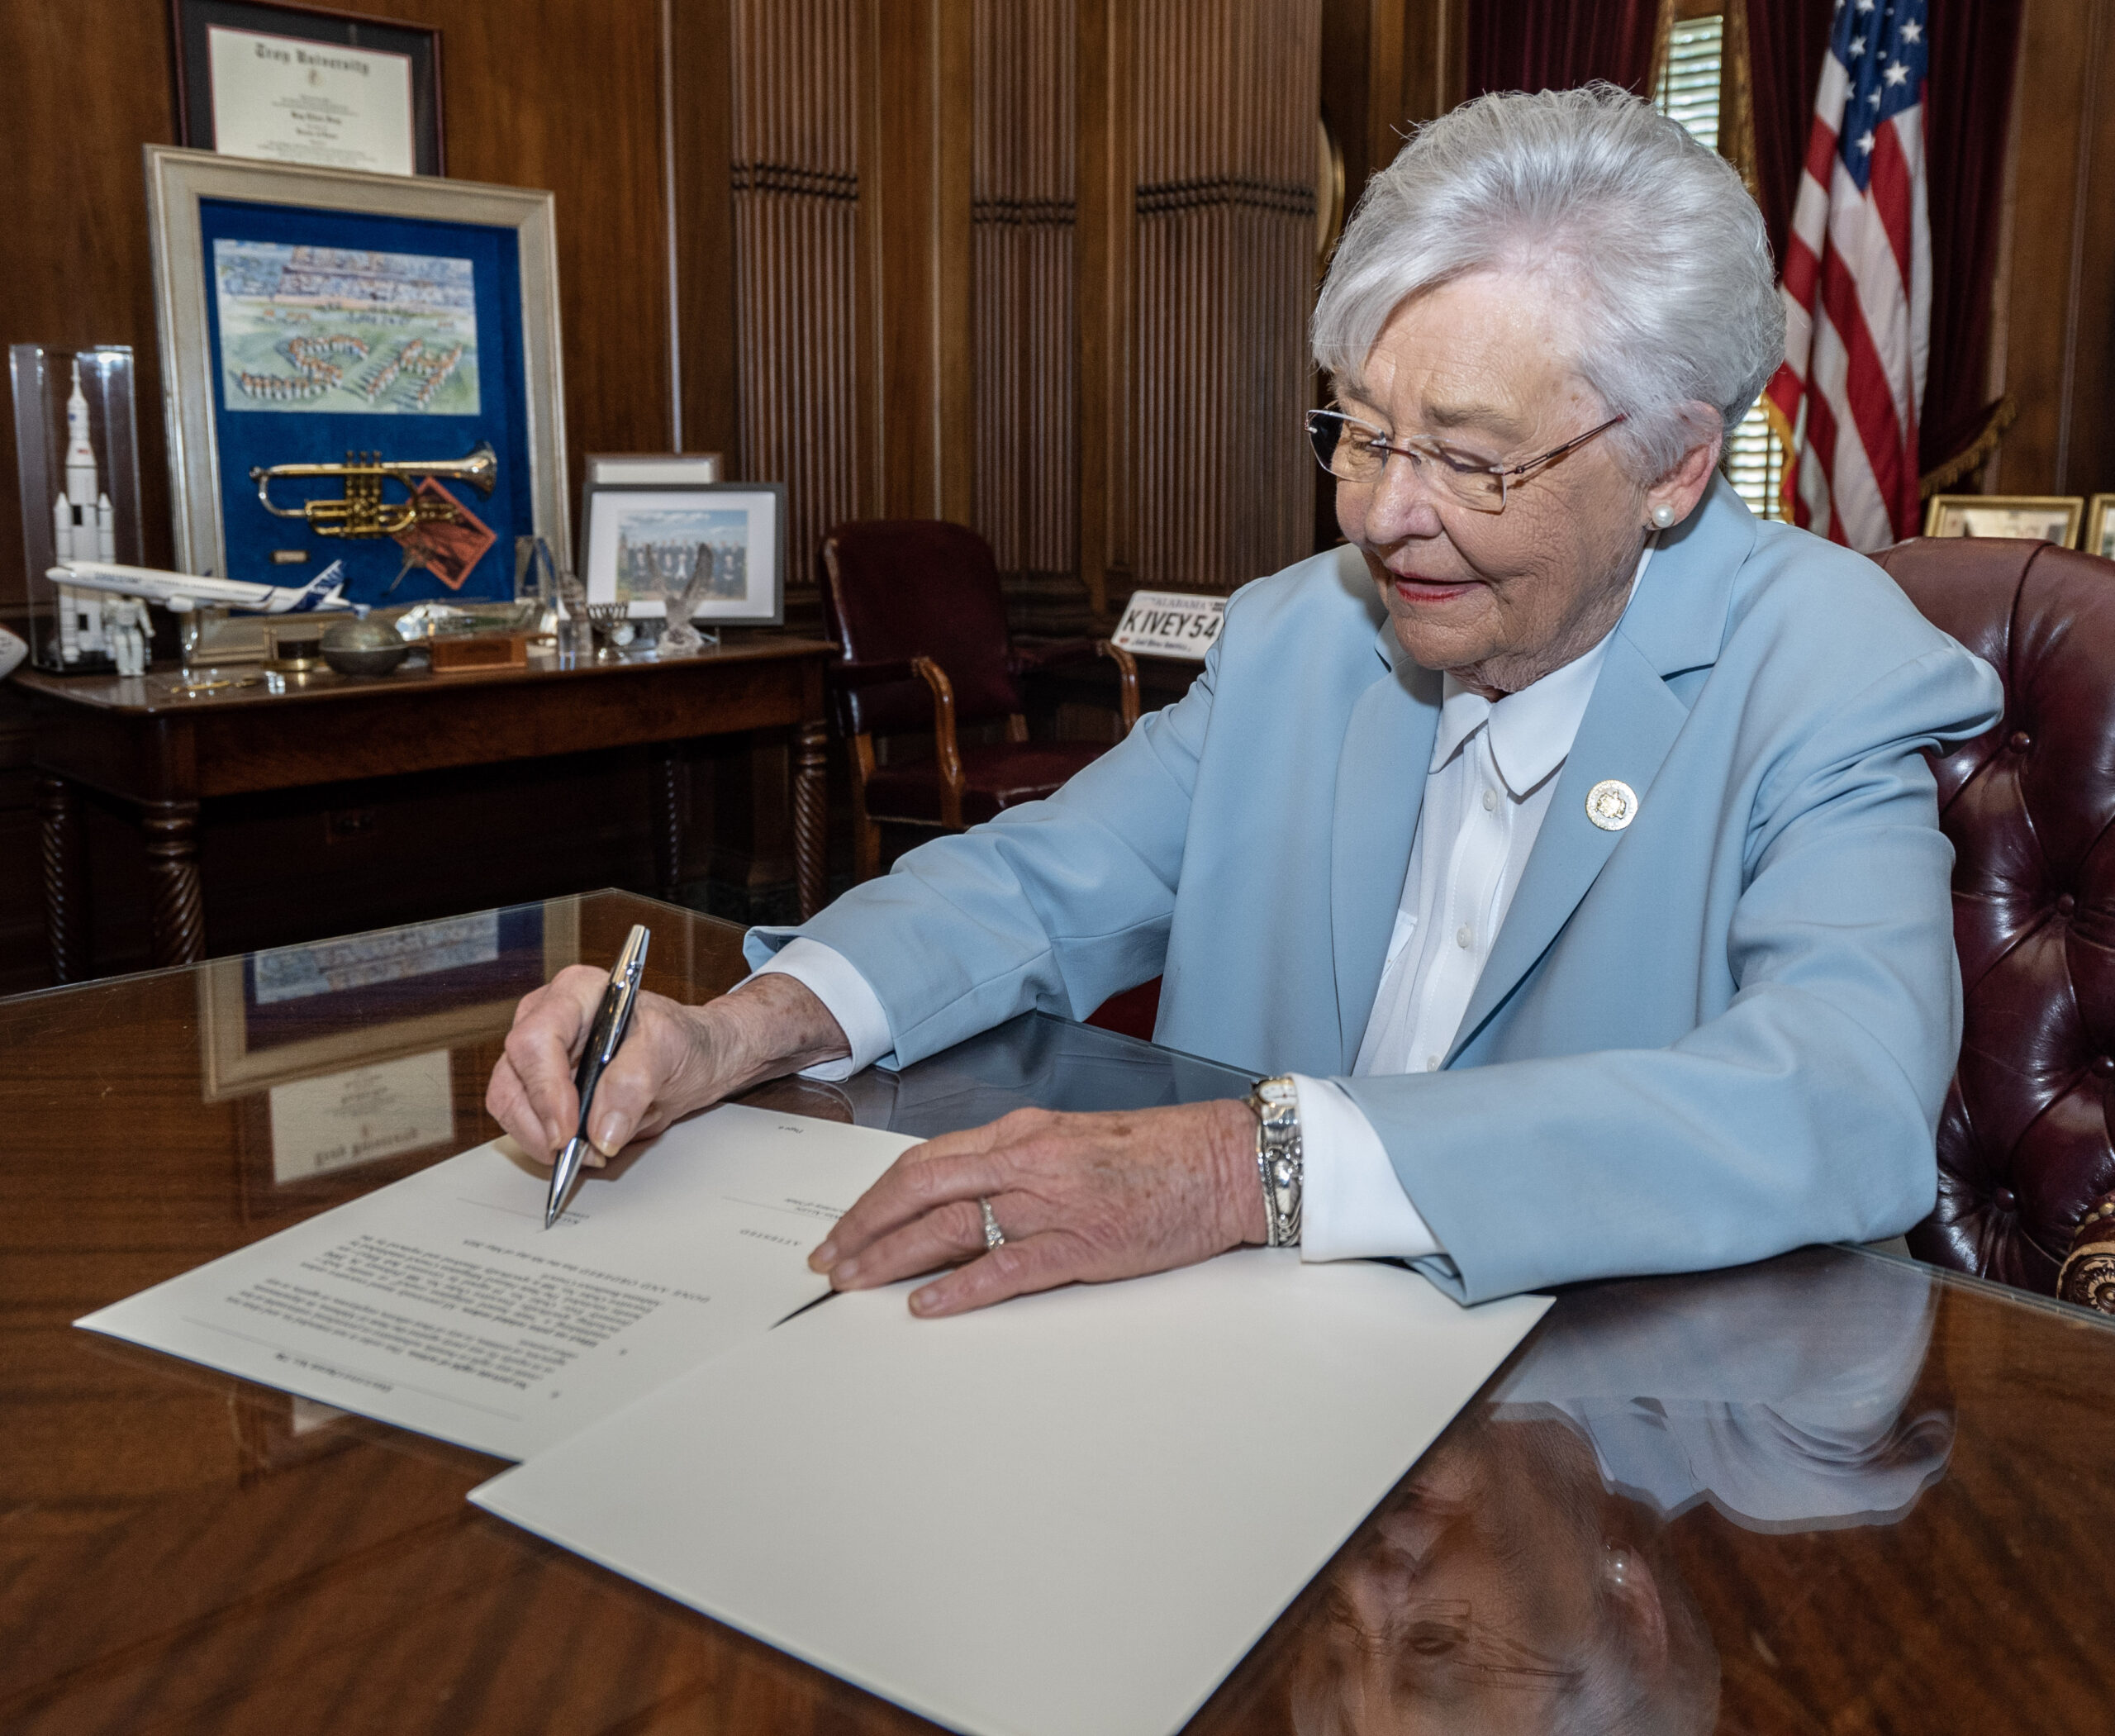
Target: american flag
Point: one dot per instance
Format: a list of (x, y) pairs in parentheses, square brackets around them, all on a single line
[(1857, 284)]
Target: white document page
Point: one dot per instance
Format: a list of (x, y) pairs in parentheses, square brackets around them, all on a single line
[(441, 1304), (1068, 1515)]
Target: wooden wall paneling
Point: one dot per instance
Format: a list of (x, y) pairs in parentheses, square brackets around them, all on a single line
[(702, 76), (2089, 459), (1104, 298), (1435, 57), (566, 96), (1022, 214), (1387, 66), (794, 180), (917, 104), (91, 85), (2056, 276), (1226, 99)]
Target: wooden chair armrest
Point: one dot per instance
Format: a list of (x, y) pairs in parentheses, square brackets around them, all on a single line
[(1053, 654), (2087, 1275), (850, 676), (1126, 680), (1057, 652), (947, 749)]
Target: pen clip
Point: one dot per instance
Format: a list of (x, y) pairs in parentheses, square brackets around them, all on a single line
[(624, 977)]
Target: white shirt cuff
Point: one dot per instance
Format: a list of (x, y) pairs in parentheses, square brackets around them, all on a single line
[(845, 995), (1353, 1204)]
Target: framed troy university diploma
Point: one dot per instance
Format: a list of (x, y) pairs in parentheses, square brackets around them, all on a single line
[(293, 84), (318, 321)]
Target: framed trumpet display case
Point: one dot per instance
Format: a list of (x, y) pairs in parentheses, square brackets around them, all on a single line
[(357, 367)]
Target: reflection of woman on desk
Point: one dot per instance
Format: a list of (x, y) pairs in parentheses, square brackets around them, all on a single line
[(1523, 1578)]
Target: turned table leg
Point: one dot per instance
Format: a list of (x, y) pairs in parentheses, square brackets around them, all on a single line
[(669, 781), (65, 887), (811, 816), (178, 915)]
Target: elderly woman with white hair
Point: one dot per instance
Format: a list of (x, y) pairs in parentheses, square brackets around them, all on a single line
[(1562, 847)]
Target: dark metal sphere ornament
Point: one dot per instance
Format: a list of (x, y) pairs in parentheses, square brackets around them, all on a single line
[(355, 647)]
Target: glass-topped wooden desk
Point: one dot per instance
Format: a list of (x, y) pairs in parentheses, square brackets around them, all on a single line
[(1834, 1492)]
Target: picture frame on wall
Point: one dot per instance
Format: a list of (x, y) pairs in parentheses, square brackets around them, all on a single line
[(632, 533), (2099, 537), (308, 84), (2049, 518), (307, 313)]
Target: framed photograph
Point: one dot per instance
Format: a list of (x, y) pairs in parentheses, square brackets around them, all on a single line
[(271, 1019), (680, 468), (308, 313), (635, 535), (306, 84), (2049, 518), (2100, 526)]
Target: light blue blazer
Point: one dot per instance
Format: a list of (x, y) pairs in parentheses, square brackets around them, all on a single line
[(1721, 1033)]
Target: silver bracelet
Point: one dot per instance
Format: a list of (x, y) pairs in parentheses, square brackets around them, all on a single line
[(1275, 1103)]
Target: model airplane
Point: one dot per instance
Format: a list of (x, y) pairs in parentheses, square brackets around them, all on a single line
[(180, 593)]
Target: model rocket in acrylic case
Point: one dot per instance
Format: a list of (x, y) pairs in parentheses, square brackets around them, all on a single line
[(78, 464)]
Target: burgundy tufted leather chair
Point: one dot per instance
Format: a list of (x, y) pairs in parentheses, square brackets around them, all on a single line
[(2027, 1157), (915, 603)]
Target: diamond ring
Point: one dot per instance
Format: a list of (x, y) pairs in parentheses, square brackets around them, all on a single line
[(994, 1237)]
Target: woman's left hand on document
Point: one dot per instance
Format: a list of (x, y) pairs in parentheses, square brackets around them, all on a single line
[(1078, 1198)]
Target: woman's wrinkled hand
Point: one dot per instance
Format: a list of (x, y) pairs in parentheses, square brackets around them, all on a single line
[(1080, 1199)]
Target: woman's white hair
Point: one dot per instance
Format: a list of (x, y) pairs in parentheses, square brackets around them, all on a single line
[(1657, 257)]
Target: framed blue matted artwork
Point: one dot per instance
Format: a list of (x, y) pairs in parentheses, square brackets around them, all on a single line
[(403, 328), (296, 1012)]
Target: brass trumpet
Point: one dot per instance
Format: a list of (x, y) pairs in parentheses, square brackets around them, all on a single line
[(362, 512)]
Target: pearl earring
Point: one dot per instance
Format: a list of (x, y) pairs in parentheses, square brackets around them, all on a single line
[(1663, 515)]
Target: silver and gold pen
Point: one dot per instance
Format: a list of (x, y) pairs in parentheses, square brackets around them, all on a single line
[(612, 1020)]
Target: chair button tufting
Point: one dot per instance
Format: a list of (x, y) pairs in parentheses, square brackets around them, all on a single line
[(2005, 1200), (2065, 905), (2103, 1065), (2021, 741)]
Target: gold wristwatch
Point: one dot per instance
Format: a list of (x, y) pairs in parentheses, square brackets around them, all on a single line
[(1276, 1106)]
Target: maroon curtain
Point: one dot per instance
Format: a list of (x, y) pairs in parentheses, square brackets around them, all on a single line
[(1967, 112), (1550, 45), (1968, 118), (1786, 41)]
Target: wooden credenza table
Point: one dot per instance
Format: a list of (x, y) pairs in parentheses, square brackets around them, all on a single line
[(163, 754), (1834, 1492)]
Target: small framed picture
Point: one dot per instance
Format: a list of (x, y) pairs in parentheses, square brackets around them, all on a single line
[(2100, 526), (308, 84), (671, 469), (2049, 518), (639, 540)]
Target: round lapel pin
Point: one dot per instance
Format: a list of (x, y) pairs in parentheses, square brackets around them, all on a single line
[(1612, 804)]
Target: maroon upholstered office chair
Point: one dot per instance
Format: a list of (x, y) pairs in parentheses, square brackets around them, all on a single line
[(915, 603), (2026, 1157)]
